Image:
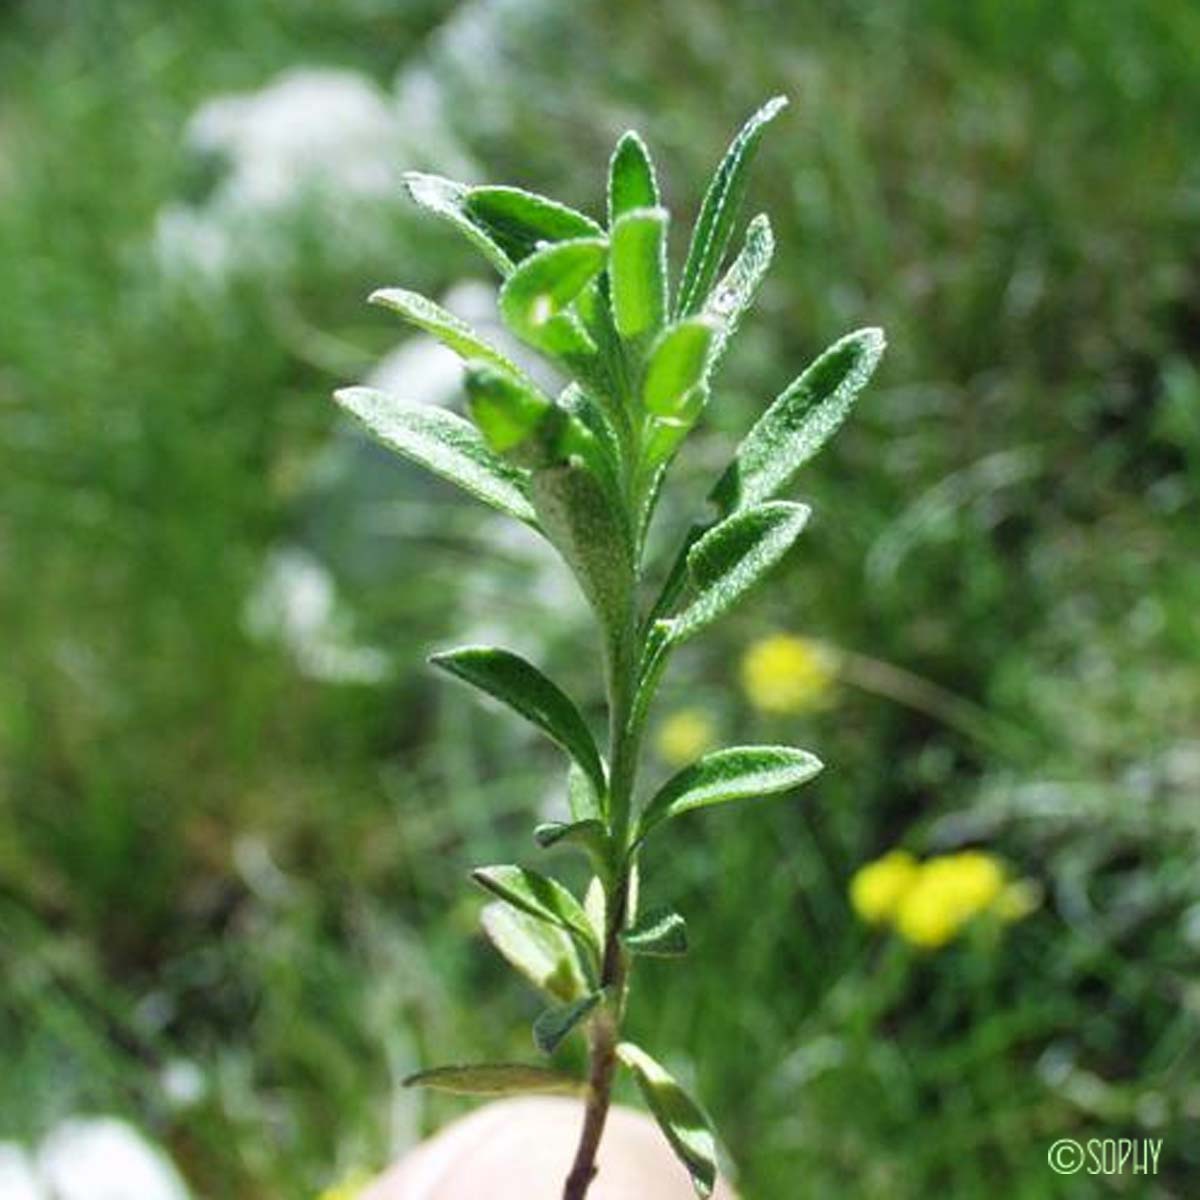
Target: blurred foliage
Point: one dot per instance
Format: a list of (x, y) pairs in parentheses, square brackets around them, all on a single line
[(208, 856)]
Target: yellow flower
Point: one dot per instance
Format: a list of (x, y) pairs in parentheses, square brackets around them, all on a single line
[(684, 736), (348, 1189), (929, 903), (877, 888), (948, 892), (924, 917), (787, 674)]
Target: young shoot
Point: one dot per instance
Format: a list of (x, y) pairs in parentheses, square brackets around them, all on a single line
[(585, 469)]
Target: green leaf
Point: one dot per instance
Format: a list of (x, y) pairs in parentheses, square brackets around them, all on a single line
[(506, 409), (583, 799), (446, 199), (422, 312), (534, 300), (444, 444), (638, 271), (589, 532), (732, 558), (543, 953), (730, 299), (519, 221), (555, 1023), (539, 896), (800, 422), (741, 773), (519, 684), (631, 178), (676, 367), (719, 212), (495, 1079), (657, 933), (678, 1115), (589, 833)]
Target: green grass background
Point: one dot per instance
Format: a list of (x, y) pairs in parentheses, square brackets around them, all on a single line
[(206, 856)]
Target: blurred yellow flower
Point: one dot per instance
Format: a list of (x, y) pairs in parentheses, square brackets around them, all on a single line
[(877, 888), (930, 902), (787, 674), (684, 736), (348, 1189)]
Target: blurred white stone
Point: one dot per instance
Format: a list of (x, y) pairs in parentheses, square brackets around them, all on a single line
[(183, 1083), (311, 135), (102, 1158), (309, 127), (18, 1179), (296, 604)]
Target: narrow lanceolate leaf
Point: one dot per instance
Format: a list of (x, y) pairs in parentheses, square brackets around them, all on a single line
[(577, 516), (422, 312), (554, 1024), (583, 800), (534, 300), (741, 773), (631, 179), (734, 294), (444, 444), (800, 422), (657, 933), (543, 953), (731, 558), (495, 1079), (520, 685), (539, 896), (446, 199), (506, 409), (676, 367), (678, 1115), (589, 833), (638, 271), (519, 221), (719, 212)]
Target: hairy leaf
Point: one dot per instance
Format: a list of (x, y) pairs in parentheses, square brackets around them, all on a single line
[(583, 800), (734, 556), (734, 294), (800, 422), (741, 773), (534, 300), (422, 312), (631, 178), (676, 367), (521, 686), (495, 1079), (446, 199), (444, 444), (678, 1115), (555, 1023), (638, 271), (506, 410), (543, 953), (539, 896), (589, 833), (578, 517), (719, 212), (519, 221), (657, 933)]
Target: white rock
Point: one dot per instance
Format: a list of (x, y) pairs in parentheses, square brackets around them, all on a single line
[(102, 1158), (18, 1179)]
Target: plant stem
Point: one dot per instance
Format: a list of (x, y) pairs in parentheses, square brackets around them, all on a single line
[(604, 1029)]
